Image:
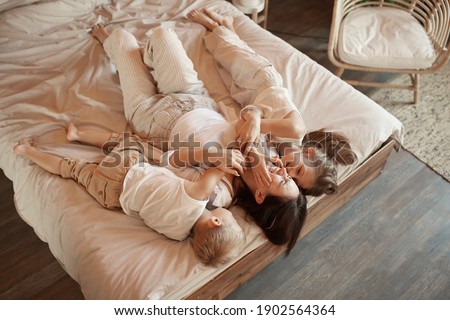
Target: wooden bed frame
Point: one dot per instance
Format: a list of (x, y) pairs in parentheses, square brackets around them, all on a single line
[(248, 266), (62, 237)]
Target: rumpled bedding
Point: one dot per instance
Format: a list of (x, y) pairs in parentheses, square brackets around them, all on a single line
[(53, 72)]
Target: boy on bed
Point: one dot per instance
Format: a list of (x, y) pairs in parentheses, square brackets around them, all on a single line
[(168, 105), (166, 203)]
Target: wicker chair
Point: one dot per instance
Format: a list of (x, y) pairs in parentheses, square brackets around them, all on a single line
[(368, 36)]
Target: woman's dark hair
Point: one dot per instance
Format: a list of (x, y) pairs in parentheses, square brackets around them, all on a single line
[(280, 218)]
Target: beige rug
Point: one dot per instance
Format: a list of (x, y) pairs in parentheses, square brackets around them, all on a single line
[(427, 124)]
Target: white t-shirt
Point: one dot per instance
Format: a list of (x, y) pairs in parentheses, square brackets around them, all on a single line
[(223, 191), (207, 128), (157, 195)]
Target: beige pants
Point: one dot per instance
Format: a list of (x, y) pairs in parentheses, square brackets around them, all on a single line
[(152, 110), (104, 181), (251, 72)]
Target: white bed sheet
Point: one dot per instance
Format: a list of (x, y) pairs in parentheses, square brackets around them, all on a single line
[(53, 72)]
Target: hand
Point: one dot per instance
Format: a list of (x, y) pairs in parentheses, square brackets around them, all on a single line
[(276, 160), (248, 130), (258, 166), (228, 160)]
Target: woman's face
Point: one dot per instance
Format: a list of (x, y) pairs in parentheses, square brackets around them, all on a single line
[(294, 162), (282, 184)]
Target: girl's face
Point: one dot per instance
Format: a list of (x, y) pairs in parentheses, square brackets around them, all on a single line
[(294, 161)]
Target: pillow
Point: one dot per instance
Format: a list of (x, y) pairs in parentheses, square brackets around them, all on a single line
[(382, 37)]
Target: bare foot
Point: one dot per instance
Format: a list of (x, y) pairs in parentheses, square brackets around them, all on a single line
[(72, 132), (23, 146), (99, 32), (197, 15), (226, 21)]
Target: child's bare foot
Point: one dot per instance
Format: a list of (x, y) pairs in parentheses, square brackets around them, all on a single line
[(197, 15), (72, 132), (99, 32), (226, 21), (23, 145)]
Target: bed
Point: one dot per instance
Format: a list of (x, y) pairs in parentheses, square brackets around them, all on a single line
[(53, 72)]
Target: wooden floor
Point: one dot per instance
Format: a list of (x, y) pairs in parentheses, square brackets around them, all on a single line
[(391, 241), (28, 270)]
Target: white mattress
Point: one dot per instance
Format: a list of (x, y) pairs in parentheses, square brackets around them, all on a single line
[(53, 72)]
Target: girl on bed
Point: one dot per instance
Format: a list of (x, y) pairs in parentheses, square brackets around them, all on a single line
[(166, 203), (268, 108), (179, 115)]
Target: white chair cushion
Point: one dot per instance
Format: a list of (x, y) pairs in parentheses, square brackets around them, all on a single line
[(384, 38)]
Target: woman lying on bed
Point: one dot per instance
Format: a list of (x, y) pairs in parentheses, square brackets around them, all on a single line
[(180, 114), (166, 203), (258, 88), (168, 62)]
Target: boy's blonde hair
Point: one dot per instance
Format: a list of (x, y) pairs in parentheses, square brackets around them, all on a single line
[(217, 246)]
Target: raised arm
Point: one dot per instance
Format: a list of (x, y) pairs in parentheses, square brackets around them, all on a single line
[(291, 126), (227, 160), (202, 189), (251, 125)]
